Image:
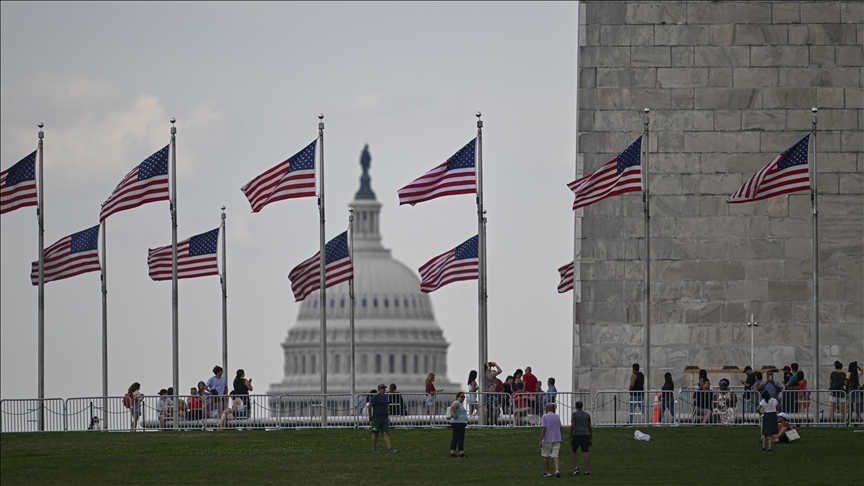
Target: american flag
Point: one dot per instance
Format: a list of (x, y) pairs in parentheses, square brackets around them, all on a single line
[(196, 257), (146, 183), (455, 176), (619, 175), (18, 185), (788, 172), (72, 255), (292, 178), (460, 263), (566, 273), (306, 277)]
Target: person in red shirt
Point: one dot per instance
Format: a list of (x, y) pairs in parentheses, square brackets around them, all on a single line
[(522, 402), (529, 380)]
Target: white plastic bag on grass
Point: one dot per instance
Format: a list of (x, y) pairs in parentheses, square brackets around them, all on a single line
[(638, 435)]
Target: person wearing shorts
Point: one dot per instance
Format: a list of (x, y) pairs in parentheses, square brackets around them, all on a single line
[(837, 398), (581, 436), (380, 418), (550, 439)]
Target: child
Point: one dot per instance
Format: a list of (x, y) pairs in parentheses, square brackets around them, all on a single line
[(768, 407)]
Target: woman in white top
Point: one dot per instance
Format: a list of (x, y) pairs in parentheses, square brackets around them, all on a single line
[(472, 392), (238, 410), (768, 407)]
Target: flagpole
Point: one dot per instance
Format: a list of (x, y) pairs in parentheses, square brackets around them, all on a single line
[(646, 308), (323, 264), (174, 300), (813, 197), (577, 233), (351, 303), (482, 339), (104, 326), (40, 217), (224, 281)]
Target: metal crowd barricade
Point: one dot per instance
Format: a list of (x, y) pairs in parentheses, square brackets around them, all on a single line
[(304, 411), (856, 403), (830, 407), (99, 414), (624, 407), (23, 415)]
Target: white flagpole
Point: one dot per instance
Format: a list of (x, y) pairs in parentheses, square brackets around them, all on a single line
[(174, 300), (40, 217), (104, 327), (813, 196), (646, 308), (224, 281), (577, 235), (351, 303), (323, 264), (482, 336)]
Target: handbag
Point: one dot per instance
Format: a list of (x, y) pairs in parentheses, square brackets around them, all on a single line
[(792, 435)]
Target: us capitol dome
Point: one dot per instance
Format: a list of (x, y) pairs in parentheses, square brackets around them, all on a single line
[(397, 339)]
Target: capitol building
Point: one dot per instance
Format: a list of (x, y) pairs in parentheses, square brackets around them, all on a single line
[(397, 339)]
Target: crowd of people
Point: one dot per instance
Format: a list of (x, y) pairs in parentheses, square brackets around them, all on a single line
[(210, 399)]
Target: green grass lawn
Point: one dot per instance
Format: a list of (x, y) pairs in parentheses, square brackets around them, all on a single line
[(679, 456)]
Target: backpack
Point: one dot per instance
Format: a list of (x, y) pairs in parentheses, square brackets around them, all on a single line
[(449, 413), (127, 400), (499, 386)]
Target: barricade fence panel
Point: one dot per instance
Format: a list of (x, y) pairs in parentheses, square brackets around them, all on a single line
[(856, 402), (100, 413), (33, 415), (625, 407)]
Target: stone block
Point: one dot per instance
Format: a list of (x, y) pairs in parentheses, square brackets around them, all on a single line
[(713, 270), (840, 77), (790, 227), (720, 77), (682, 120), (851, 312), (656, 13), (850, 183), (669, 142), (747, 291), (776, 142), (605, 13), (757, 227), (757, 249), (797, 248), (704, 12), (650, 56), (665, 185), (713, 291), (779, 56), (836, 162), (606, 142), (746, 13), (671, 249), (721, 56), (721, 142), (681, 99), (727, 120), (713, 206), (828, 120), (682, 77), (727, 98), (663, 227), (675, 206), (760, 34), (605, 99), (720, 227), (733, 312), (830, 97), (787, 98), (626, 77), (626, 35), (713, 250), (722, 35), (665, 270), (828, 141), (822, 56), (763, 120), (786, 13), (822, 34), (850, 55), (828, 183), (592, 35), (852, 12), (771, 269), (746, 164), (820, 12), (704, 313), (755, 77), (702, 184), (789, 291), (656, 99), (612, 121), (586, 120), (854, 98), (682, 56), (673, 164), (681, 35), (588, 77), (852, 141), (604, 56)]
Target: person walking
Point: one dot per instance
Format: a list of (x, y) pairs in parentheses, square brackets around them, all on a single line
[(458, 422), (667, 397), (581, 436), (380, 418), (550, 439)]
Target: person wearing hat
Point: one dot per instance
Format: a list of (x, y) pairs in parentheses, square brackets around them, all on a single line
[(724, 403), (380, 418), (783, 426), (163, 407), (750, 399)]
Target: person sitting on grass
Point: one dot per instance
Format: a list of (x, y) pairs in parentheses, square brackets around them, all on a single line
[(783, 426)]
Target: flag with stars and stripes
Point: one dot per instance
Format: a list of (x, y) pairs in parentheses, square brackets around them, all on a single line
[(566, 273), (618, 176), (18, 185), (788, 172), (196, 257), (72, 255), (292, 178), (306, 277), (460, 263), (455, 176), (146, 183)]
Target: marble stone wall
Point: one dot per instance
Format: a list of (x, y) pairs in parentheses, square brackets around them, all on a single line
[(730, 86)]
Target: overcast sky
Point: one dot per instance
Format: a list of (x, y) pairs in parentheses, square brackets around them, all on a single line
[(246, 82)]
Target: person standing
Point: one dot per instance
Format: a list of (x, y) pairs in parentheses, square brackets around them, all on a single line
[(768, 407), (581, 436), (493, 405), (837, 401), (135, 400), (530, 381), (853, 384), (551, 392), (667, 398), (380, 418), (431, 391), (471, 398), (217, 385), (637, 395), (491, 374), (749, 401), (550, 439), (458, 422)]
